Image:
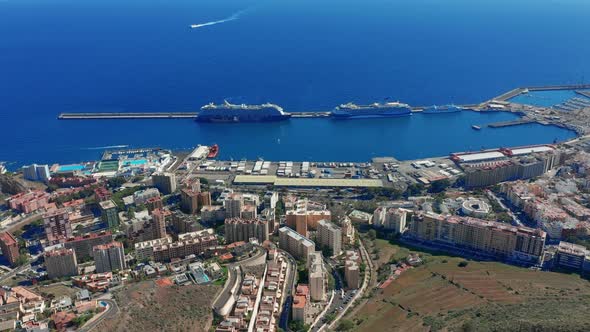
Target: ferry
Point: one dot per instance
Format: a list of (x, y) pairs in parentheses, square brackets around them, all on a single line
[(442, 109), (375, 110), (213, 151), (228, 112)]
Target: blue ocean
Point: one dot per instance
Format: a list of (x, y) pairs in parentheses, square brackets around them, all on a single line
[(143, 56)]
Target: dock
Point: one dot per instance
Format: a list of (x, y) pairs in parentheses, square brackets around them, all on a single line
[(503, 99), (510, 123), (137, 115), (515, 92)]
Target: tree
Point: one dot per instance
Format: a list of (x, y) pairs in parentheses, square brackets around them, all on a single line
[(116, 182), (298, 326), (372, 234), (439, 186), (131, 212), (414, 189), (463, 263)]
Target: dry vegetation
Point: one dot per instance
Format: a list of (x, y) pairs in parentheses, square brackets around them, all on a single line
[(482, 296), (146, 306)]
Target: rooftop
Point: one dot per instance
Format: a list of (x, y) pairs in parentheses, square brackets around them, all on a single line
[(306, 182)]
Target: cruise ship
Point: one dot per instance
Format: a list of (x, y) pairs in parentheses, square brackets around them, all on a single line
[(442, 109), (375, 110), (228, 112)]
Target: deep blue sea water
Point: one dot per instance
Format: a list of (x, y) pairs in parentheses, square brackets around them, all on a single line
[(83, 56)]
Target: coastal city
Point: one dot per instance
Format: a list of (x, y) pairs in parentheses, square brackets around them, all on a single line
[(152, 239)]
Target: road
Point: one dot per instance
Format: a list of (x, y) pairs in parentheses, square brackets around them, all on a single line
[(286, 311), (14, 272), (22, 223), (366, 281), (111, 312), (341, 298), (515, 219)]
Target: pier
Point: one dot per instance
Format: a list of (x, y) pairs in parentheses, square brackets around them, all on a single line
[(515, 92), (503, 98), (510, 123), (142, 115)]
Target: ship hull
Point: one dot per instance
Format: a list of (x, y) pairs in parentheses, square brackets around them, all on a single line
[(347, 115), (241, 118), (441, 110)]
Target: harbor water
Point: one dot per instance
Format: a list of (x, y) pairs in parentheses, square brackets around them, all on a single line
[(144, 56)]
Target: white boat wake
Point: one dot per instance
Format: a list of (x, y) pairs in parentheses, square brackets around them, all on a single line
[(234, 16)]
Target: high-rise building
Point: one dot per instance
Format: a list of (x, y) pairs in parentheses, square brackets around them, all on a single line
[(212, 213), (36, 172), (295, 244), (306, 215), (192, 201), (238, 229), (271, 198), (193, 243), (352, 273), (109, 257), (572, 256), (496, 239), (61, 263), (317, 276), (348, 231), (142, 196), (329, 235), (57, 225), (154, 203), (30, 201), (159, 223), (391, 219), (182, 223), (249, 212), (233, 205), (83, 245), (145, 250), (165, 182), (9, 247), (108, 213), (102, 194)]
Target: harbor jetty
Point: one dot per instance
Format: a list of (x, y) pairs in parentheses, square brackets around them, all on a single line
[(503, 98), (510, 123), (136, 115)]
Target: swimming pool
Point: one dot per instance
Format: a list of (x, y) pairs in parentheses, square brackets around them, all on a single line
[(70, 168), (135, 162)]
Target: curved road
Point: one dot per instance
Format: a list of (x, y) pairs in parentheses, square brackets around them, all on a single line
[(111, 312)]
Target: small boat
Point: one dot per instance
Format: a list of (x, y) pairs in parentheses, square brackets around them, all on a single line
[(476, 127), (213, 151)]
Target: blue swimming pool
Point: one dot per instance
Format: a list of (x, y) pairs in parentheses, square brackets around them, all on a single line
[(135, 162), (70, 168)]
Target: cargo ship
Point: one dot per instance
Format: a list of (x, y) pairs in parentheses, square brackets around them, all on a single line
[(228, 112), (375, 110), (213, 151), (442, 109)]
